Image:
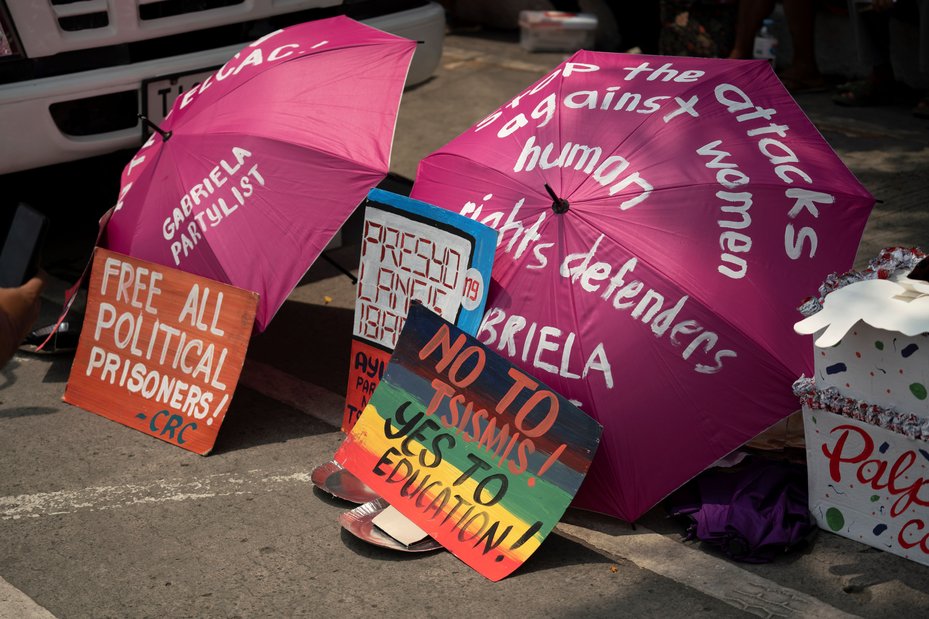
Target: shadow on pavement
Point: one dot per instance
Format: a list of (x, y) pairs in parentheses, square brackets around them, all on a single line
[(59, 369), (556, 552), (310, 342), (26, 411), (253, 420)]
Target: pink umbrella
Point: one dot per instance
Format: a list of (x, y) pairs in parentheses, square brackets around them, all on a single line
[(254, 171), (660, 219)]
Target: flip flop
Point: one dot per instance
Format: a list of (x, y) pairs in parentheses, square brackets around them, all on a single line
[(64, 341)]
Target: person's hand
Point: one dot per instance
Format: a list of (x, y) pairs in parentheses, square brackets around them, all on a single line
[(19, 309)]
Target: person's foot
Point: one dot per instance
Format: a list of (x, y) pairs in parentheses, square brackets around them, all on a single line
[(864, 93), (799, 84), (921, 110), (846, 86)]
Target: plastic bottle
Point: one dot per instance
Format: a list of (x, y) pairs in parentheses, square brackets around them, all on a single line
[(766, 42)]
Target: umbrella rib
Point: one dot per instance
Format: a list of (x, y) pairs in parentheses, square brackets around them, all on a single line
[(689, 185), (138, 224), (355, 163), (579, 340), (203, 250), (195, 112), (144, 174), (697, 298), (572, 292), (650, 118), (529, 188)]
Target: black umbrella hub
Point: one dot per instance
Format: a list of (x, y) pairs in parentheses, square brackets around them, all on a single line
[(559, 205)]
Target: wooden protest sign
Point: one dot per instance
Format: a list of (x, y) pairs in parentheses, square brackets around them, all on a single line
[(478, 454), (161, 350), (412, 251)]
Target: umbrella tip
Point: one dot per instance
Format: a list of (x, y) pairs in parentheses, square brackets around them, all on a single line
[(148, 123), (559, 205)]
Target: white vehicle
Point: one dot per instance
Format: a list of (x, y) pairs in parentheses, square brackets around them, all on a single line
[(75, 74)]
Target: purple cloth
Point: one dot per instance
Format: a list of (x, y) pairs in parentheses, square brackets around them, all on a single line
[(752, 512)]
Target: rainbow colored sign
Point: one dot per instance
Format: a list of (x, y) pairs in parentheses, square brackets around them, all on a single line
[(480, 455)]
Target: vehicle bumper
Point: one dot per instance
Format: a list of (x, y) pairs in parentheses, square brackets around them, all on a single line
[(30, 137)]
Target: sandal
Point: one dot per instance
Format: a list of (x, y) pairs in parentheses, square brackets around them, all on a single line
[(865, 93), (851, 85), (922, 108)]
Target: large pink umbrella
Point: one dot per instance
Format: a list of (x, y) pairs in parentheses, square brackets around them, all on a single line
[(660, 220), (254, 171)]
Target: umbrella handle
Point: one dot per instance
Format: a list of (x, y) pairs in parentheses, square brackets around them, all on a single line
[(148, 123), (559, 205)]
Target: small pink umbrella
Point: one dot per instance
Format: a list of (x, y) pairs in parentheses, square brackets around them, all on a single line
[(254, 171), (659, 221)]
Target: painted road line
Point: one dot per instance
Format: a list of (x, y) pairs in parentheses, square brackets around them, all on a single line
[(15, 603), (648, 550), (704, 573), (102, 498)]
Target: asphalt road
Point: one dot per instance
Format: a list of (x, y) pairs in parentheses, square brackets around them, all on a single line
[(100, 521)]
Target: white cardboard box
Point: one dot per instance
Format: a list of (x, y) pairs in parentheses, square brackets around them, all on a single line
[(868, 484), (878, 366), (866, 411), (554, 31)]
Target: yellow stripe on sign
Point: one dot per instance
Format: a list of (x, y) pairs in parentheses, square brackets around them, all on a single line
[(368, 434)]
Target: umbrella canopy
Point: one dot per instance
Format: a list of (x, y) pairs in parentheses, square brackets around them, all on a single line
[(660, 219), (257, 168)]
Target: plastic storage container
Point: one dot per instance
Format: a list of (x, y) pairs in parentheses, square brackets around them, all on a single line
[(766, 43), (554, 31)]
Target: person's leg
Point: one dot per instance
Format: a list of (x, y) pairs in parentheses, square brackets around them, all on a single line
[(638, 22), (922, 6), (922, 106), (872, 29), (801, 21), (877, 31), (751, 14)]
